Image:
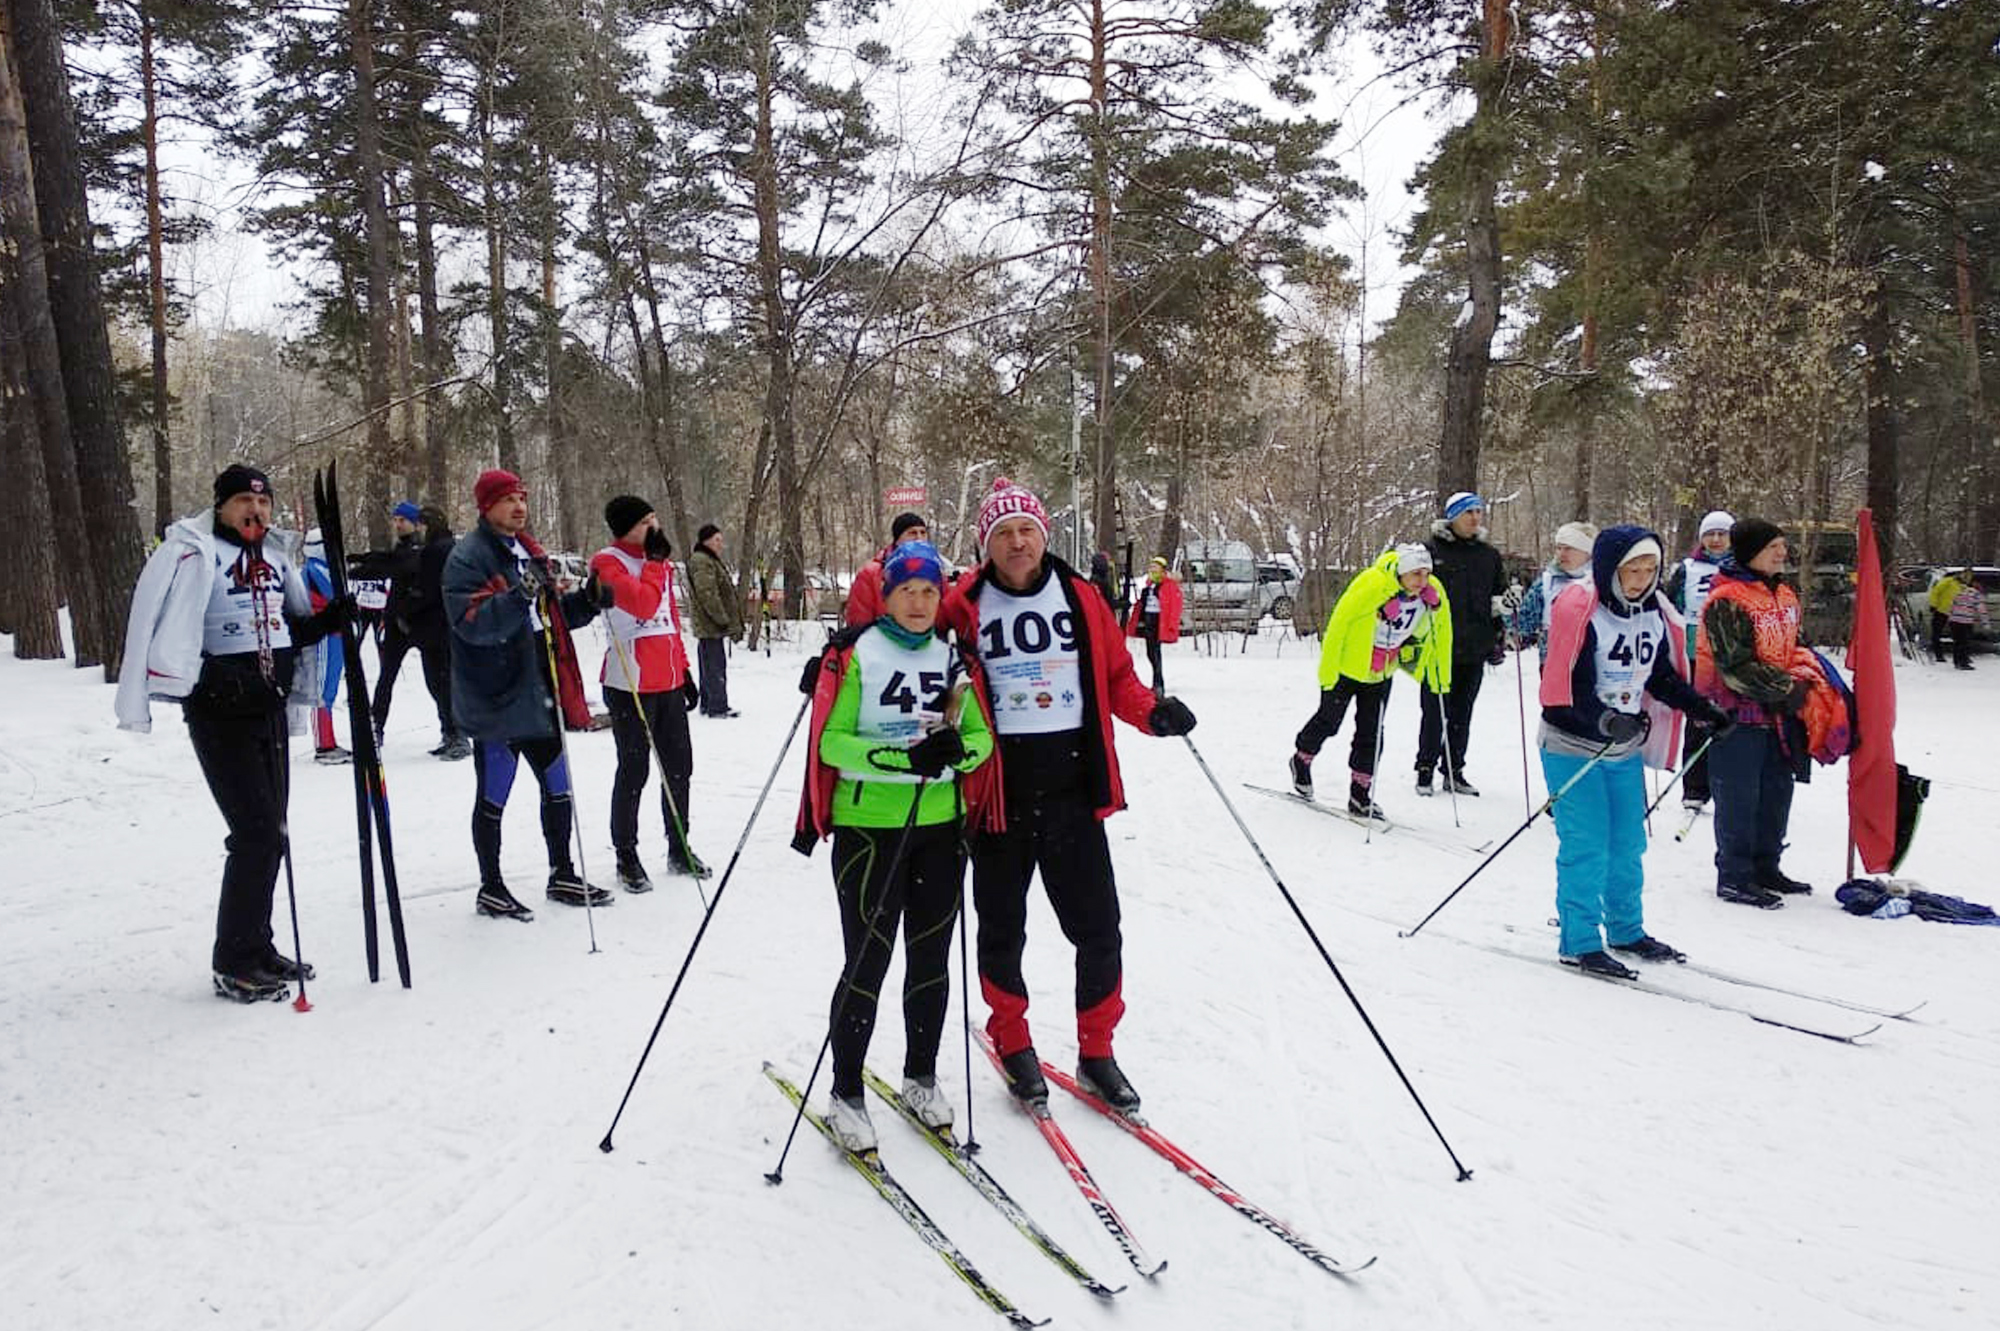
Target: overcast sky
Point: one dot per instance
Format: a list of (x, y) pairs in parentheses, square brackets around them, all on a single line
[(235, 280)]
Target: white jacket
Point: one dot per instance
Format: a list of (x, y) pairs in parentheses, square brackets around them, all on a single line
[(163, 636)]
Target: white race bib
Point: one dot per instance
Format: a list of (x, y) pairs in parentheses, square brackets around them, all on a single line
[(628, 627), (231, 622), (1626, 649), (902, 695), (1391, 634), (1699, 577), (522, 561), (1028, 646)]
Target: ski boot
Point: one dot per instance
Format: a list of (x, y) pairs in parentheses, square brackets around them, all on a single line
[(251, 984), (1603, 965), (1302, 775), (632, 874), (1102, 1078), (688, 865), (566, 887), (333, 757), (848, 1119), (1456, 784), (497, 901), (278, 964), (1746, 894), (927, 1102), (1023, 1070), (1424, 786), (1362, 805), (1771, 880), (1648, 948)]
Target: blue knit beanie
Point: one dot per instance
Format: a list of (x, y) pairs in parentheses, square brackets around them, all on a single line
[(912, 559)]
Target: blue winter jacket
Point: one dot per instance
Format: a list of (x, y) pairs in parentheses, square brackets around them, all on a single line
[(499, 665)]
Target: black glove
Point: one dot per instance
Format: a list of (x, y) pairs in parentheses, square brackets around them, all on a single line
[(690, 695), (1713, 718), (809, 677), (1622, 727), (657, 544), (1795, 701), (599, 591), (1170, 716), (935, 752)]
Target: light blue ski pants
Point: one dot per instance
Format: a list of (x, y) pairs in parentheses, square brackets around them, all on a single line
[(1600, 859)]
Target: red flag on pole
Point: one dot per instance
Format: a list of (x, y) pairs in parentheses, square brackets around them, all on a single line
[(1871, 768)]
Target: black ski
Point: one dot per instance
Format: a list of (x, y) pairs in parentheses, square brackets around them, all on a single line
[(371, 791), (989, 1187), (869, 1166)]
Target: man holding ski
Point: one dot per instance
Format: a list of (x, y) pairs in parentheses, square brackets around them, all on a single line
[(221, 624), (1057, 671), (508, 626)]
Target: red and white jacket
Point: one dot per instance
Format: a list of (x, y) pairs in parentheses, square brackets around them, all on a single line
[(645, 620)]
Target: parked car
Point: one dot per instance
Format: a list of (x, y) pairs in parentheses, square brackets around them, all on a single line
[(1277, 588), (822, 595), (1219, 588), (1913, 582)]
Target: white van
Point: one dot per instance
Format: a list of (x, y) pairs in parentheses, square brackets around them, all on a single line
[(1219, 588)]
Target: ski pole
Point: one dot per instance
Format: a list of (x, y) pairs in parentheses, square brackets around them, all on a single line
[(846, 989), (971, 1144), (652, 749), (1451, 763), (1381, 730), (1324, 955), (1521, 710), (1674, 780), (552, 616), (281, 778), (1547, 804), (708, 915)]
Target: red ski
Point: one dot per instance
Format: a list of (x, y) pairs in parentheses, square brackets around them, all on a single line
[(1193, 1168)]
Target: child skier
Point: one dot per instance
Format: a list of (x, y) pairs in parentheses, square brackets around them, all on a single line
[(1617, 661), (888, 737), (1393, 614), (1571, 563), (1688, 588)]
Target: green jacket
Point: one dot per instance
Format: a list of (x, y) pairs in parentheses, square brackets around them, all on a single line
[(887, 803), (713, 606), (1348, 645), (1944, 591)]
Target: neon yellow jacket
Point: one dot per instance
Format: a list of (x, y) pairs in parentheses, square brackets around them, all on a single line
[(1944, 591), (1348, 645)]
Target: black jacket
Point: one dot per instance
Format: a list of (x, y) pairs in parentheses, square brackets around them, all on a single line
[(1472, 575)]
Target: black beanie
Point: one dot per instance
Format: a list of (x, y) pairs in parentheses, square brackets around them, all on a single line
[(1749, 536), (625, 512), (239, 478), (903, 522), (708, 529)]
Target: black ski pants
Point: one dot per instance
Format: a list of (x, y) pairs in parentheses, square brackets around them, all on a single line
[(1370, 702), (243, 758), (664, 716), (712, 654), (1694, 775), (1149, 629), (879, 877), (494, 764), (396, 644), (1752, 780), (1447, 720), (1055, 829)]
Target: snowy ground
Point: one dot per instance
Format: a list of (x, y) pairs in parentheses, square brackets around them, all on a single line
[(428, 1159)]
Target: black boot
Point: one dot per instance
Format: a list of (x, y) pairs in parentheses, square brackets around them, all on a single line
[(567, 887), (632, 874), (1648, 948), (1747, 894), (497, 901), (1603, 965), (1360, 804), (251, 984), (1023, 1070), (1103, 1079), (1302, 775), (688, 864), (1771, 880), (282, 966)]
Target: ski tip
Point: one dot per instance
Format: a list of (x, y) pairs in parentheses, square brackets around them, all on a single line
[(1154, 1274)]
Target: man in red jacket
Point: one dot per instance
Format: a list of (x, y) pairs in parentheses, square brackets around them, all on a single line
[(1056, 670), (646, 685)]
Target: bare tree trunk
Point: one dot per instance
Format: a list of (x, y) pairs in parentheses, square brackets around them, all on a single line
[(375, 214), (496, 279), (110, 547), (430, 336), (156, 286), (1468, 359), (1104, 493), (40, 359), (670, 452), (1979, 439), (746, 568), (562, 454), (409, 467), (1883, 427), (28, 595), (778, 351)]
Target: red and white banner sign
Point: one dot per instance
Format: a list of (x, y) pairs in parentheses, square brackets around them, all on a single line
[(903, 496)]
